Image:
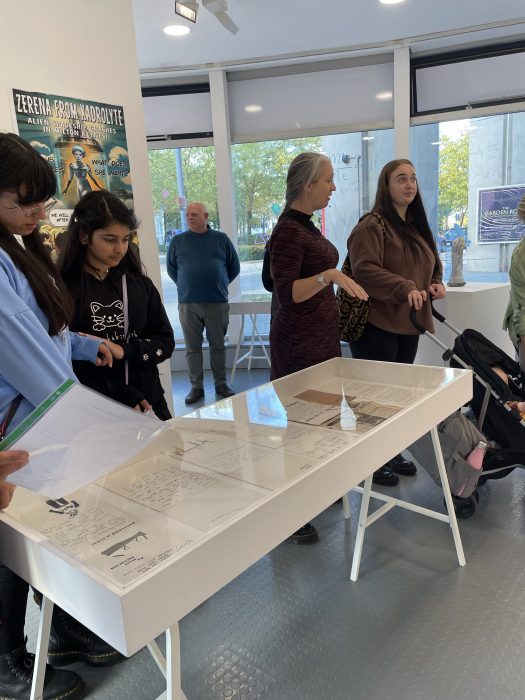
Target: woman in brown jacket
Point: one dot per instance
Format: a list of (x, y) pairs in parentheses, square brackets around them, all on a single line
[(399, 267)]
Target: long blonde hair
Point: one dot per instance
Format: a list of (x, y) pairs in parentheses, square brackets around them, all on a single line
[(304, 169)]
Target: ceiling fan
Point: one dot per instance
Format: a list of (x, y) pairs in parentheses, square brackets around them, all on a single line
[(218, 8)]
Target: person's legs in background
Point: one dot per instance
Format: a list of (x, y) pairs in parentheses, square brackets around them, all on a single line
[(383, 346), (192, 322), (216, 319)]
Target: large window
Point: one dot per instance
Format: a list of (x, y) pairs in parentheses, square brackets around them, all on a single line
[(179, 176), (471, 174), (260, 182), (474, 175), (259, 174)]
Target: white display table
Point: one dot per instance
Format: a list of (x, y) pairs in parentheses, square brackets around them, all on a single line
[(478, 305), (247, 305), (132, 554)]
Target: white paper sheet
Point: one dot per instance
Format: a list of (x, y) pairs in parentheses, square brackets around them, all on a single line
[(82, 436), (191, 494), (120, 539)]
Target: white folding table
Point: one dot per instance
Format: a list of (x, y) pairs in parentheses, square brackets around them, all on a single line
[(245, 306)]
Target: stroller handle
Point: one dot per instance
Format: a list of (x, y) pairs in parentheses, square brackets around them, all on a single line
[(415, 322), (436, 314)]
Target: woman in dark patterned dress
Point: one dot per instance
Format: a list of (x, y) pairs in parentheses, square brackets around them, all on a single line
[(305, 328)]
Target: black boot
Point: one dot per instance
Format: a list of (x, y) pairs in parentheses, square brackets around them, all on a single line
[(400, 465), (464, 507), (307, 534), (70, 641), (16, 676), (385, 476)]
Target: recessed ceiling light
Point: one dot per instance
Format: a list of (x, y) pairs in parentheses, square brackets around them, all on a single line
[(387, 95), (176, 30), (253, 108), (367, 138), (390, 2)]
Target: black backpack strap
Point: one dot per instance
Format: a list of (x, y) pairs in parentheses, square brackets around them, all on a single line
[(13, 406)]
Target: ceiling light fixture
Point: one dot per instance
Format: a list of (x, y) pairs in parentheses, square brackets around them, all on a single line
[(183, 10), (253, 108), (391, 2), (387, 95), (176, 30)]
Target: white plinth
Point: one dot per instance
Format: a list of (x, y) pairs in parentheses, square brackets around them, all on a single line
[(477, 305)]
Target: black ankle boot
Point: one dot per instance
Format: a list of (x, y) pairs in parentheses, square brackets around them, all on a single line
[(16, 676), (70, 641), (464, 507), (400, 465), (385, 476)]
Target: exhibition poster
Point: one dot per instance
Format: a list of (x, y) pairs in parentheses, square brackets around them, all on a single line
[(497, 218), (85, 143)]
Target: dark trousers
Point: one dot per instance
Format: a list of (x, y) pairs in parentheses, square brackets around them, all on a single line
[(13, 601), (377, 344)]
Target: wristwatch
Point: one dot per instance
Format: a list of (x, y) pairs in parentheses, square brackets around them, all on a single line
[(322, 281)]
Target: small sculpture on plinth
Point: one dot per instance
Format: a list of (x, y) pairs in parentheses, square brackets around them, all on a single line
[(456, 278)]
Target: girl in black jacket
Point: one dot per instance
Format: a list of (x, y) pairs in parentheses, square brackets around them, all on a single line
[(116, 300)]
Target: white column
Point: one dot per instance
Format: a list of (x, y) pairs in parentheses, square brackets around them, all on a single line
[(222, 143), (223, 161), (402, 101)]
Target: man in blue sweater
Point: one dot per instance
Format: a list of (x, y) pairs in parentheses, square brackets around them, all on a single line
[(202, 262)]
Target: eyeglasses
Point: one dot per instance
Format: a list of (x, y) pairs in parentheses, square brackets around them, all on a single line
[(28, 212)]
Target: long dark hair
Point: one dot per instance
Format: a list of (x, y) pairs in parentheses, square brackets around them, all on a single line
[(24, 171), (94, 211), (415, 210)]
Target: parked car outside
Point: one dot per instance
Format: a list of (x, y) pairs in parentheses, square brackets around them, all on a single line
[(446, 239)]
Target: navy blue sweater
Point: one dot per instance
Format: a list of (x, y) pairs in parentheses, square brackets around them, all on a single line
[(202, 265)]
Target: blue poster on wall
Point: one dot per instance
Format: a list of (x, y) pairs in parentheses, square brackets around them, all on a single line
[(497, 218)]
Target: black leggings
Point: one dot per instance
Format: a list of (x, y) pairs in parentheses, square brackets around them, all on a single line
[(377, 344)]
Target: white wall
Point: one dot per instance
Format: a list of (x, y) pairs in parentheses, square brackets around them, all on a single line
[(84, 49)]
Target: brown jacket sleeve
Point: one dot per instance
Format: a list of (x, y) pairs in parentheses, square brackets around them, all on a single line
[(368, 247)]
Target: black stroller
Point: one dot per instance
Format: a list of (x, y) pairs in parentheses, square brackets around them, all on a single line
[(495, 398)]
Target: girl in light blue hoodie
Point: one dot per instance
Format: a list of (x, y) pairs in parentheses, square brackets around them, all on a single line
[(36, 349)]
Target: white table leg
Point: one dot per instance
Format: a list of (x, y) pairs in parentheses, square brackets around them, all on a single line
[(448, 496), (361, 527), (254, 327), (158, 657), (173, 690), (42, 643), (237, 349), (171, 668), (261, 342), (346, 506)]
